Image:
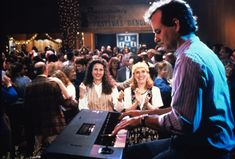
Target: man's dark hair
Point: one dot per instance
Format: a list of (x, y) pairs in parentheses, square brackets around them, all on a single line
[(70, 55), (175, 9), (52, 58), (81, 61)]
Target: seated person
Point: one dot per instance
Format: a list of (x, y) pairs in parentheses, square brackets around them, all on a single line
[(162, 83)]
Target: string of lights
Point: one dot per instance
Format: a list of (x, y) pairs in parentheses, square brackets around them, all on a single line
[(69, 21), (81, 38), (50, 38), (21, 42)]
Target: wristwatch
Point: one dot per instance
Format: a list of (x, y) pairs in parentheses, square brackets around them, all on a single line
[(142, 119)]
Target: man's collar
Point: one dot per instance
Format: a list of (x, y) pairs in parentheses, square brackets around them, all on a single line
[(188, 36), (187, 41), (42, 75)]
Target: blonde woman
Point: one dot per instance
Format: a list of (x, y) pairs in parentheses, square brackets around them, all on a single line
[(141, 94)]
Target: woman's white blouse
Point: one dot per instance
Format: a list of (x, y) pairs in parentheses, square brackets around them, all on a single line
[(156, 98), (71, 91), (83, 103)]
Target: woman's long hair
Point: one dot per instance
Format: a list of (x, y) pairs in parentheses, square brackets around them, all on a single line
[(134, 83), (62, 76), (107, 82), (111, 61)]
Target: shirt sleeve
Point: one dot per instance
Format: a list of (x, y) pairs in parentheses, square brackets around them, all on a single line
[(115, 95), (186, 103), (162, 85), (9, 94), (71, 90), (83, 103), (156, 97), (127, 98)]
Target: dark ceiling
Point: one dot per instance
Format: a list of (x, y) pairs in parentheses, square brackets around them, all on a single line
[(38, 16), (29, 16), (216, 18)]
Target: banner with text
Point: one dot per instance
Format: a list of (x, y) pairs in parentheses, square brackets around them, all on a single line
[(114, 18)]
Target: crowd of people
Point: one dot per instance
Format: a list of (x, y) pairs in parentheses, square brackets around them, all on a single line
[(51, 87), (43, 91)]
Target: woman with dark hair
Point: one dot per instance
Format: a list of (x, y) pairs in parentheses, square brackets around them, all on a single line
[(98, 92), (113, 66)]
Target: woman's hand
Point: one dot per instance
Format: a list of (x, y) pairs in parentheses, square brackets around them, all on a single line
[(121, 96), (146, 100), (82, 90), (6, 81), (137, 96)]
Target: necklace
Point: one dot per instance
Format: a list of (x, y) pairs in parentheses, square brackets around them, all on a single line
[(144, 92)]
